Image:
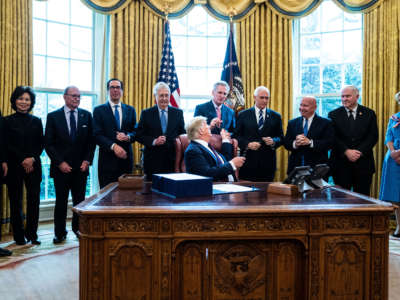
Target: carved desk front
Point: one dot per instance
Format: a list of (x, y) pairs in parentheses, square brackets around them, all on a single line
[(327, 244)]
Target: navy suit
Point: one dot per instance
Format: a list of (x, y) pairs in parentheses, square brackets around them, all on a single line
[(320, 132), (60, 147), (208, 110), (260, 165), (159, 159), (363, 137), (110, 167), (200, 161)]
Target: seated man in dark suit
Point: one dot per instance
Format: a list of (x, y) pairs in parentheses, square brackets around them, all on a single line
[(3, 173), (218, 116), (69, 144), (114, 130), (309, 137), (203, 160), (157, 129)]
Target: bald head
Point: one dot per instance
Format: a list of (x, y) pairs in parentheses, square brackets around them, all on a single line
[(308, 106)]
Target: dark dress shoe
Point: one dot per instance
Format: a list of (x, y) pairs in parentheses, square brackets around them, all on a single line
[(59, 240), (36, 242), (5, 252), (20, 242), (396, 235)]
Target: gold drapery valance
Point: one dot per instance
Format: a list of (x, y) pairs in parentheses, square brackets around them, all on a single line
[(237, 9)]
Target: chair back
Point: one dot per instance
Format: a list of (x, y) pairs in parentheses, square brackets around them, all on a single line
[(182, 141)]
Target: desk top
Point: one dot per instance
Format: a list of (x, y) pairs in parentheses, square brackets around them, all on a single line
[(111, 200)]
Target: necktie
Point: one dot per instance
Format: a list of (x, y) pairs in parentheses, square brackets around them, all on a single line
[(218, 109), (351, 120), (117, 117), (217, 158), (305, 131), (163, 121), (351, 117), (305, 128), (72, 124), (260, 120)]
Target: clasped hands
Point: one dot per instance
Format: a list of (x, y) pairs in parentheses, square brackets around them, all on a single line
[(352, 154), (395, 154), (66, 168), (118, 150), (269, 141), (302, 140)]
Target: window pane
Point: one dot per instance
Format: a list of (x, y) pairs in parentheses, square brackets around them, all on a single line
[(352, 74), (57, 73), (310, 23), (40, 108), (58, 11), (55, 101), (197, 25), (215, 28), (57, 40), (87, 103), (352, 46), (81, 74), (310, 80), (332, 17), (39, 65), (331, 79), (183, 79), (198, 77), (179, 26), (39, 10), (39, 32), (179, 45), (213, 75), (197, 52), (81, 43), (80, 14), (331, 50), (310, 49), (352, 21), (215, 56)]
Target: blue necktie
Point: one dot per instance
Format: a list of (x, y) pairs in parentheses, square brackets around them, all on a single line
[(117, 118), (163, 121), (260, 120), (72, 124), (305, 131), (305, 128)]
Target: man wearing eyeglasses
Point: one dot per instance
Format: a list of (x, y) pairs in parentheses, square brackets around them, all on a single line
[(114, 132), (69, 144)]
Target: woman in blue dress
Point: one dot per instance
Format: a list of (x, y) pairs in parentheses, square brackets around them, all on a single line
[(390, 181)]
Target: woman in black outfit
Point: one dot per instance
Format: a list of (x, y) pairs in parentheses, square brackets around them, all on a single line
[(24, 137)]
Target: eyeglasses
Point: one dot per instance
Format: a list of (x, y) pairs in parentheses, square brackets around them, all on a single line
[(74, 96), (115, 87)]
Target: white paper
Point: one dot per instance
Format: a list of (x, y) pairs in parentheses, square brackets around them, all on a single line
[(181, 176), (232, 188)]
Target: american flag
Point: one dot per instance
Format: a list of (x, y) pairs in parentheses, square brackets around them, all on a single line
[(167, 69)]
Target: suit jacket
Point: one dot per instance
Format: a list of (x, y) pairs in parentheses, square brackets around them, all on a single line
[(159, 159), (320, 132), (261, 163), (200, 161), (105, 132), (363, 138), (208, 110), (59, 145), (24, 138)]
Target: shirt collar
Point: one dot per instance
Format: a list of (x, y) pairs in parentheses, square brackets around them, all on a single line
[(201, 142), (215, 105), (354, 109), (67, 109), (258, 110), (310, 118), (112, 104), (159, 109)]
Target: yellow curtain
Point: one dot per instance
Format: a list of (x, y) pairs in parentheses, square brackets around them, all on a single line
[(381, 71), (136, 44), (264, 47), (15, 62)]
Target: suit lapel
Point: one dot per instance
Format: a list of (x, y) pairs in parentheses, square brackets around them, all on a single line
[(204, 149), (314, 124), (212, 110), (170, 119), (81, 117), (156, 117), (109, 111), (63, 120)]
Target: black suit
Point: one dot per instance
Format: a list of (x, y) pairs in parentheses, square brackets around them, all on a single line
[(60, 147), (320, 132), (200, 161), (159, 159), (363, 137), (260, 165), (110, 167), (24, 138)]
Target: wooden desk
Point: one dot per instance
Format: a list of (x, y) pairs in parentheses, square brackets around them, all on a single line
[(328, 244)]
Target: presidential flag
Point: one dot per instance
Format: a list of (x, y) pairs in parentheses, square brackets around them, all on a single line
[(231, 74), (167, 69)]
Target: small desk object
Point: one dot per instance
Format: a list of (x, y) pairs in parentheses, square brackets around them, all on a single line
[(328, 244)]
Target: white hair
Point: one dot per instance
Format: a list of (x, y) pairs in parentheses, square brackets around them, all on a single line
[(261, 88), (193, 127), (223, 83), (159, 85)]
